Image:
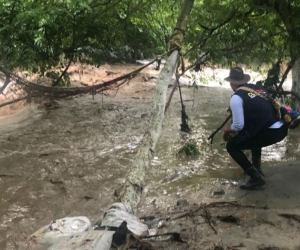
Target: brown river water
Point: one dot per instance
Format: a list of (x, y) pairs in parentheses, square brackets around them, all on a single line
[(69, 159)]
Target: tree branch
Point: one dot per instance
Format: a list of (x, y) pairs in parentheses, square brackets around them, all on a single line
[(284, 76)]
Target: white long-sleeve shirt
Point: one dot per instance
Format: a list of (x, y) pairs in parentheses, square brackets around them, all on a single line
[(236, 106)]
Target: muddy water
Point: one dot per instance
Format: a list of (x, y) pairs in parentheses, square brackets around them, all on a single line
[(68, 161)]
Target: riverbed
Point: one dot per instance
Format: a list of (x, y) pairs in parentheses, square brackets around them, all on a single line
[(67, 158)]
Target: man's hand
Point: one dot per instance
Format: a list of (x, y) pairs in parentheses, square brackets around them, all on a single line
[(228, 133)]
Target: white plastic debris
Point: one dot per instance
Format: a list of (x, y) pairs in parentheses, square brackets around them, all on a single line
[(75, 233), (120, 206), (91, 240), (118, 213), (61, 228), (161, 224), (152, 232)]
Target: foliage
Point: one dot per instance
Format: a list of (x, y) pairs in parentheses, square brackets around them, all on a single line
[(235, 33), (190, 149), (38, 35)]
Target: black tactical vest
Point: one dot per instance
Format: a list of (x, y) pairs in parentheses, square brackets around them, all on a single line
[(259, 114)]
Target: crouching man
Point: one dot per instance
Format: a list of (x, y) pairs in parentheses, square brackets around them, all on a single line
[(254, 126)]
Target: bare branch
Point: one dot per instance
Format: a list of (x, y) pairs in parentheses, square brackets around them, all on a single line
[(286, 72)]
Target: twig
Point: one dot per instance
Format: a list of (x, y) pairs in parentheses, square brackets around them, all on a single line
[(157, 235), (186, 214), (6, 175), (235, 204), (208, 217), (14, 101), (216, 204), (292, 93)]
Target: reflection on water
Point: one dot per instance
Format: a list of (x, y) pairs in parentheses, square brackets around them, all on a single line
[(68, 162)]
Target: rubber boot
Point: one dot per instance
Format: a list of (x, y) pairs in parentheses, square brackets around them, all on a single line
[(259, 170), (256, 179), (256, 163)]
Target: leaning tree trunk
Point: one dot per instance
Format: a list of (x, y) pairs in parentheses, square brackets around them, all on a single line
[(131, 192), (296, 82)]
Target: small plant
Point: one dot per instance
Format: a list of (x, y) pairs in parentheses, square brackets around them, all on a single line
[(190, 149)]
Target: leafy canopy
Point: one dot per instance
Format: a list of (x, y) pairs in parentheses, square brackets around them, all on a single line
[(38, 35)]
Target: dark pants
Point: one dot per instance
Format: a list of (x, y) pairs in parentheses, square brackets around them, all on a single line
[(255, 144)]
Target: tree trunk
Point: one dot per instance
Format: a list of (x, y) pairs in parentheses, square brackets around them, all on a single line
[(131, 192), (296, 81)]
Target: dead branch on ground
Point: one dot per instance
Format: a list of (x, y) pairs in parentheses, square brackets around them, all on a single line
[(291, 216)]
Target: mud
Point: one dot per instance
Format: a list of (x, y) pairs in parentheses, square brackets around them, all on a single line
[(66, 158)]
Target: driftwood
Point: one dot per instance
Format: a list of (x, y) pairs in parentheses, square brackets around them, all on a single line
[(206, 213)]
